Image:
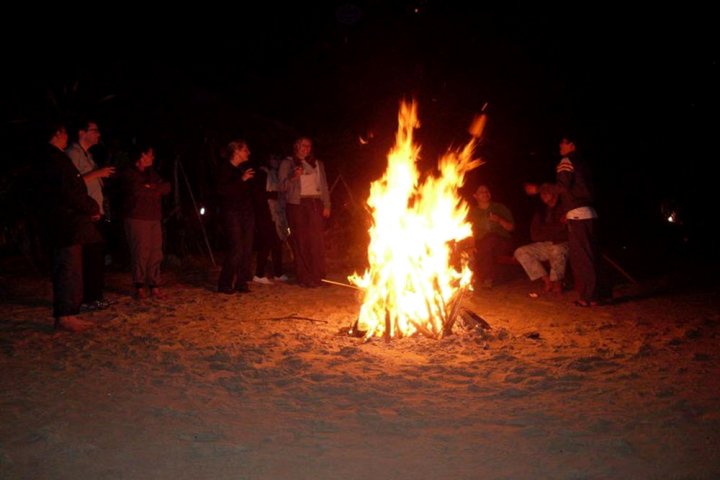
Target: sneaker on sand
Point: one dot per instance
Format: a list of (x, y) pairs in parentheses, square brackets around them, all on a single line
[(72, 323), (281, 278), (140, 294), (263, 280), (101, 304)]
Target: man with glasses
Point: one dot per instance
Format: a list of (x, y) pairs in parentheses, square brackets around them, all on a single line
[(93, 256)]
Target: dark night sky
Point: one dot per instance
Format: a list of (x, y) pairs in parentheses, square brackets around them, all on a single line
[(638, 86)]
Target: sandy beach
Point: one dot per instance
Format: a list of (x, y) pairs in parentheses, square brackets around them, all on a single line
[(264, 386)]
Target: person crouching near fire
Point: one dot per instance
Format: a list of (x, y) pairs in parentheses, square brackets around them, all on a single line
[(548, 232)]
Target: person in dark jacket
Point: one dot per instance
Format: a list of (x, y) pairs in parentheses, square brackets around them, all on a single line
[(65, 212), (236, 213), (574, 184), (142, 212), (548, 231)]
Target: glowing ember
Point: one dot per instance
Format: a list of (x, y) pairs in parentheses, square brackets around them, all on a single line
[(410, 285)]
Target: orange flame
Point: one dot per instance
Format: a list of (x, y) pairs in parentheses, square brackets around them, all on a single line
[(410, 282)]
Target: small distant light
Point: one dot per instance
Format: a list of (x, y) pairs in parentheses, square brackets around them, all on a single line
[(417, 10), (202, 210), (671, 219)]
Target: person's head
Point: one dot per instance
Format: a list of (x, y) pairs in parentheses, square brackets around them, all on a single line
[(144, 156), (302, 147), (57, 135), (548, 194), (88, 133), (237, 152), (567, 145), (273, 162), (482, 195)]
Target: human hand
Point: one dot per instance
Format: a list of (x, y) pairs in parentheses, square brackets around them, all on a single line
[(248, 174), (326, 213), (298, 171), (95, 218), (105, 172)]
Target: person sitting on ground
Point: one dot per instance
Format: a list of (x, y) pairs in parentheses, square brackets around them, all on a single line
[(548, 231), (492, 224)]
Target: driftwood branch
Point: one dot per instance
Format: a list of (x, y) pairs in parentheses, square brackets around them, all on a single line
[(293, 317)]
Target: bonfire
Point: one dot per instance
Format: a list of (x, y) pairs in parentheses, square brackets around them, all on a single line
[(414, 282)]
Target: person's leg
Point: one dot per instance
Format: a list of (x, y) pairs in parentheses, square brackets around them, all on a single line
[(530, 258), (583, 257), (557, 255), (67, 280), (298, 237), (93, 272), (263, 241), (233, 237), (316, 242), (247, 231), (137, 265), (154, 252), (277, 260)]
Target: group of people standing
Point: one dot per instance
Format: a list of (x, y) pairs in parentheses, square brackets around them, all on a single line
[(264, 206), (70, 205), (565, 227), (259, 209)]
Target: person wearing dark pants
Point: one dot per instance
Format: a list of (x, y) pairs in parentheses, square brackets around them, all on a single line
[(304, 185), (236, 213), (65, 211), (88, 135), (268, 240), (584, 259), (574, 183)]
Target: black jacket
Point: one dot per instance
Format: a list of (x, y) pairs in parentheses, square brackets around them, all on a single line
[(62, 204)]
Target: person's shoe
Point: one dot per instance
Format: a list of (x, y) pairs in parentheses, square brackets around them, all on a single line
[(155, 292), (263, 280), (243, 288), (101, 304), (226, 291), (281, 278), (140, 293), (556, 287), (72, 323), (585, 303)]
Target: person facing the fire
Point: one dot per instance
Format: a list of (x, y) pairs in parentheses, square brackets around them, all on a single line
[(573, 182), (548, 232), (142, 193), (65, 211), (492, 224), (307, 197), (237, 217), (93, 264)]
